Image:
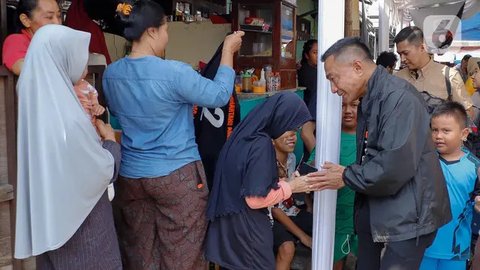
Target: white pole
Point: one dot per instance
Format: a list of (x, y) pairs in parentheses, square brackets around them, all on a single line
[(383, 25), (228, 6), (331, 24)]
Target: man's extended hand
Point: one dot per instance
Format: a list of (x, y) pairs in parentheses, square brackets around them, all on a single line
[(330, 177)]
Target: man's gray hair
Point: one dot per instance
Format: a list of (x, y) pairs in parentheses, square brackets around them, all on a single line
[(351, 45)]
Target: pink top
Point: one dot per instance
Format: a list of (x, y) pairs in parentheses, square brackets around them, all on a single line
[(273, 197), (83, 89), (15, 47)]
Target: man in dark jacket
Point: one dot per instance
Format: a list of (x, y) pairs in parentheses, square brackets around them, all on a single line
[(401, 195)]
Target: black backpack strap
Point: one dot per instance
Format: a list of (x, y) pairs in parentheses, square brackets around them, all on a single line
[(448, 83)]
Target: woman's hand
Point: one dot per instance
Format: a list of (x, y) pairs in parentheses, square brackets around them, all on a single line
[(300, 184), (331, 177), (233, 42), (105, 130)]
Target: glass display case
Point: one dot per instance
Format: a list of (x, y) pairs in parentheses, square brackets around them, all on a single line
[(287, 33), (270, 31), (257, 21)]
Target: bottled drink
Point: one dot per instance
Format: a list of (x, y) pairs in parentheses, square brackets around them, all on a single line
[(268, 77), (259, 86), (179, 7), (277, 81), (238, 82), (247, 82), (262, 81)]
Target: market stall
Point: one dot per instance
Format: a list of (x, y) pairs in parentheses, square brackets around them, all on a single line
[(190, 22)]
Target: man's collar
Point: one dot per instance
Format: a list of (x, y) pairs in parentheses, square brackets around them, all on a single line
[(420, 73), (371, 89)]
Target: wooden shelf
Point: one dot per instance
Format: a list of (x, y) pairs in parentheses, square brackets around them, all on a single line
[(255, 28), (276, 13)]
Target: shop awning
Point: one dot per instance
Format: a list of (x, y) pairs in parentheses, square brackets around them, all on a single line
[(471, 27)]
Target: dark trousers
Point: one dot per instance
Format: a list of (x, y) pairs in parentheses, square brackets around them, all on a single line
[(401, 255), (476, 257)]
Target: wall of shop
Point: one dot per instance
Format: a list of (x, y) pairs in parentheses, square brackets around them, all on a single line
[(116, 46), (188, 43), (304, 6), (194, 42)]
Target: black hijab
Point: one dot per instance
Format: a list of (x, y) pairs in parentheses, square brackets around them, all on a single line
[(247, 163)]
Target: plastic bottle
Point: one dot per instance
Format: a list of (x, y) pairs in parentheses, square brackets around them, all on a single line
[(247, 82), (262, 81), (238, 82), (259, 85), (179, 11), (276, 81), (268, 77)]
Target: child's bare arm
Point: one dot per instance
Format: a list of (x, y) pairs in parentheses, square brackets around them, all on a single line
[(307, 134), (97, 109)]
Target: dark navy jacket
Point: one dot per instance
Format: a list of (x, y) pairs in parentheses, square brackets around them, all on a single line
[(399, 176)]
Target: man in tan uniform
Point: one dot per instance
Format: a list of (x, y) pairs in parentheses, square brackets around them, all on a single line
[(423, 72)]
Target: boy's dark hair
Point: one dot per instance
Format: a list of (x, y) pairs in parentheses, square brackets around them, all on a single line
[(466, 57), (412, 34), (387, 59), (306, 49), (342, 45), (144, 14), (452, 108)]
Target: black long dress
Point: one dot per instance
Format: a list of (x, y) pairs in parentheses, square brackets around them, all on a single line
[(240, 237), (307, 77)]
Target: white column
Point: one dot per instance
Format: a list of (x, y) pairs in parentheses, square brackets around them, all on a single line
[(331, 24), (228, 6), (383, 25)]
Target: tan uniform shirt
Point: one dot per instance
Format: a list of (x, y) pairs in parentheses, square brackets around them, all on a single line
[(431, 78)]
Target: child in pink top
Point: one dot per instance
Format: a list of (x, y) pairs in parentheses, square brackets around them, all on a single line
[(88, 97)]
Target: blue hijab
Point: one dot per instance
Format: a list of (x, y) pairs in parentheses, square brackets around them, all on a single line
[(247, 163)]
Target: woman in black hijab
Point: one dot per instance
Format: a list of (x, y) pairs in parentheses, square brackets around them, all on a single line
[(246, 182), (307, 76)]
